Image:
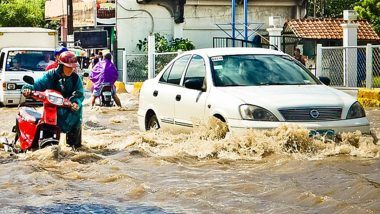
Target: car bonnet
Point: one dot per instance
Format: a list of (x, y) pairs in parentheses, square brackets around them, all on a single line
[(290, 96)]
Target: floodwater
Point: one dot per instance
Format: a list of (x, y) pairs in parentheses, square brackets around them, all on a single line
[(123, 170)]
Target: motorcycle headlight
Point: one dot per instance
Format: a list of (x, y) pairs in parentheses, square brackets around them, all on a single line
[(55, 100), (251, 112), (356, 111)]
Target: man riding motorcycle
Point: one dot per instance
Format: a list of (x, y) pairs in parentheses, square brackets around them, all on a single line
[(65, 80), (104, 72)]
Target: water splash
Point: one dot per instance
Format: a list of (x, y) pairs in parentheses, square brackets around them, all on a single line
[(287, 140)]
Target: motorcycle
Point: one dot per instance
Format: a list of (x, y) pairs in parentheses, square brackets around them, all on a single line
[(105, 97), (35, 130)]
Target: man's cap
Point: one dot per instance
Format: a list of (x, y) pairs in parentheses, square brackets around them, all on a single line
[(60, 50)]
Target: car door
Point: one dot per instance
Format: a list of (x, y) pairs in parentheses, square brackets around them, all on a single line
[(165, 93), (190, 103)]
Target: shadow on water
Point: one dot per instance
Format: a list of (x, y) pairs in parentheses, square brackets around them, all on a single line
[(91, 208)]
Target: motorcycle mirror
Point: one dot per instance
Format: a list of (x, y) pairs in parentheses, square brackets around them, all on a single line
[(77, 94), (28, 79)]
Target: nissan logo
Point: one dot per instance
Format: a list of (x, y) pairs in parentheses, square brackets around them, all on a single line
[(314, 113)]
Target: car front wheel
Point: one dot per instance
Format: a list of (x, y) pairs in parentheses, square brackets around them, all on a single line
[(152, 123)]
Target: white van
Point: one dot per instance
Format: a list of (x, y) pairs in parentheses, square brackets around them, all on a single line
[(24, 51), (16, 63)]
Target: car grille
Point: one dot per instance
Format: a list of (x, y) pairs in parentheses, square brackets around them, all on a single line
[(311, 114)]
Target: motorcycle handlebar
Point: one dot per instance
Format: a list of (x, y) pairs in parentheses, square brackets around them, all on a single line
[(37, 95), (41, 96)]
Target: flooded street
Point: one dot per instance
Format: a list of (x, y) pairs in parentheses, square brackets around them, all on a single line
[(123, 170)]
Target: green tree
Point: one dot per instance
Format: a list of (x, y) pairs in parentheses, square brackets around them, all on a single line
[(22, 13), (329, 8), (370, 11)]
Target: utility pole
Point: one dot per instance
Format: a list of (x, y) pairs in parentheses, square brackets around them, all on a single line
[(70, 27), (233, 22)]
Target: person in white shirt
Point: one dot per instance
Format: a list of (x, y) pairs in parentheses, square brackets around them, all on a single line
[(43, 63)]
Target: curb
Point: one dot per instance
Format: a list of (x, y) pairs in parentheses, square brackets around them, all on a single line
[(369, 97)]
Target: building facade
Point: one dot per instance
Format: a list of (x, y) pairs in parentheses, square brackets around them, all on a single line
[(197, 20)]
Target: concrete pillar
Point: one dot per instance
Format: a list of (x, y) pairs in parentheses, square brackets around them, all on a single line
[(178, 30), (151, 56), (275, 38), (125, 74), (275, 30), (369, 66), (318, 68), (350, 38)]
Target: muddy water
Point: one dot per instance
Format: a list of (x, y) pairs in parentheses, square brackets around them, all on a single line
[(121, 170)]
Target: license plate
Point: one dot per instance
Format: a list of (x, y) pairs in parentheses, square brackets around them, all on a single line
[(322, 132), (107, 93)]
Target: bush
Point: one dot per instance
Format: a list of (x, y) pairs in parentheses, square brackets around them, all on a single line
[(376, 82), (163, 45), (137, 69)]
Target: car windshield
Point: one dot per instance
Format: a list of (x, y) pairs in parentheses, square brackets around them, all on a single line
[(256, 70), (29, 60)]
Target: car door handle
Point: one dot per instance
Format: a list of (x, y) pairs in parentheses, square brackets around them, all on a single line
[(178, 97), (155, 93)]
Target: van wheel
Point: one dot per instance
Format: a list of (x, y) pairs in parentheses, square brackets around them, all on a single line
[(152, 123)]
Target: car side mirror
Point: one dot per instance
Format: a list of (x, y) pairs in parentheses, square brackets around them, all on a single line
[(28, 79), (195, 83), (325, 80), (85, 74)]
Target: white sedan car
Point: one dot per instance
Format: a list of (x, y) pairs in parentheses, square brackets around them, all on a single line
[(246, 88)]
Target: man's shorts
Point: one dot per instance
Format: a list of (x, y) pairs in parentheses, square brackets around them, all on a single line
[(96, 93)]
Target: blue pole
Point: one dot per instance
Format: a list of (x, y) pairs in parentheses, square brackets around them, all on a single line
[(246, 21), (233, 22)]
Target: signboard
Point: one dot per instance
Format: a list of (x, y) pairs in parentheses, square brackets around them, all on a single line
[(91, 39), (84, 13), (55, 9), (105, 12)]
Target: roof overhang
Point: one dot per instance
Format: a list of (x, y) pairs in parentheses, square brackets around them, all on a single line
[(328, 29)]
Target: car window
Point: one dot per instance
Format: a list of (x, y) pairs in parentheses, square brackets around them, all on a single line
[(177, 70), (164, 77), (29, 60), (255, 70), (196, 69)]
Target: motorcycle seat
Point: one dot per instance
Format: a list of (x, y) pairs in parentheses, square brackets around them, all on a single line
[(106, 87), (30, 114)]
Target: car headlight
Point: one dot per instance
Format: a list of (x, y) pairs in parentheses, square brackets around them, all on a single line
[(55, 100), (11, 86), (251, 112), (356, 111)]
